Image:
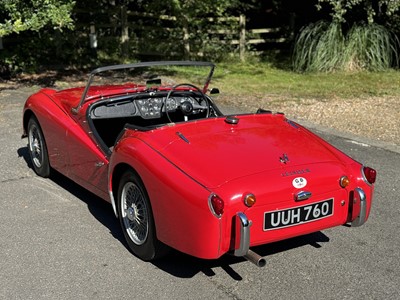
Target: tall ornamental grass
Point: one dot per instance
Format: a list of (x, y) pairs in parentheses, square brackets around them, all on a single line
[(322, 47), (370, 47)]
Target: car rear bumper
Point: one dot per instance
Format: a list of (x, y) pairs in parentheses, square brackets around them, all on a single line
[(242, 224), (360, 199), (242, 242)]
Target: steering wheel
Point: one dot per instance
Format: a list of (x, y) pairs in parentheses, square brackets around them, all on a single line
[(186, 107)]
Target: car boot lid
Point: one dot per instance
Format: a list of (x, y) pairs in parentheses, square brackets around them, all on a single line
[(216, 151)]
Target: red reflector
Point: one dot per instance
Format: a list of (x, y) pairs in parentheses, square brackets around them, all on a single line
[(370, 174), (217, 205)]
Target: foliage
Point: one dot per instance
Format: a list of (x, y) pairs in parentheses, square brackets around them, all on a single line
[(322, 47), (191, 27), (370, 47), (20, 15), (372, 9), (319, 47), (158, 29), (354, 40), (50, 49)]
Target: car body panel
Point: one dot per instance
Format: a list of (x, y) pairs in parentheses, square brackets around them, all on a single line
[(252, 146), (179, 204), (182, 164)]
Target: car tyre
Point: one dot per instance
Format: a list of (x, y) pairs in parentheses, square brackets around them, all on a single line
[(37, 148), (136, 218)]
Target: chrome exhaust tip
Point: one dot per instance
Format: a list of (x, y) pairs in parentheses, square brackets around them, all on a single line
[(256, 259)]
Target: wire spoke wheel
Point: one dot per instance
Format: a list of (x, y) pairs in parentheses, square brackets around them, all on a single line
[(36, 145), (136, 218), (134, 213), (37, 148)]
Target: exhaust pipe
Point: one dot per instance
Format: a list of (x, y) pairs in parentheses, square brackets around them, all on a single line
[(256, 259), (242, 241)]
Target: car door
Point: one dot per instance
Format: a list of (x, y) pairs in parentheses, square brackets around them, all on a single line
[(88, 164)]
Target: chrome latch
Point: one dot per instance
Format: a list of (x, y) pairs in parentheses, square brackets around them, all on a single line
[(99, 164), (303, 195)]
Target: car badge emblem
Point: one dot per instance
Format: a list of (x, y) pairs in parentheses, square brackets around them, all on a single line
[(284, 158)]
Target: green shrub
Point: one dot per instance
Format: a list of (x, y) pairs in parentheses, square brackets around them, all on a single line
[(322, 47), (370, 47), (319, 47)]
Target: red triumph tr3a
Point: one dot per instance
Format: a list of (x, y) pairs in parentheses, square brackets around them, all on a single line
[(149, 138)]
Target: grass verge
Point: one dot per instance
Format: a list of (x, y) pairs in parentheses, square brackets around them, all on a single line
[(262, 79), (258, 79)]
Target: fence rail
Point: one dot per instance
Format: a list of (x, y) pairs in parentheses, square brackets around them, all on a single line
[(146, 33)]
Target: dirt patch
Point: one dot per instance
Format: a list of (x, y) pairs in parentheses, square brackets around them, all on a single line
[(53, 79), (375, 118)]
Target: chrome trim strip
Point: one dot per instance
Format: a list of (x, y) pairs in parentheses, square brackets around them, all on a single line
[(359, 195), (242, 225), (113, 203)]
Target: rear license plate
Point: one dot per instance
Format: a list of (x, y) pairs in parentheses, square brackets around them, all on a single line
[(298, 215)]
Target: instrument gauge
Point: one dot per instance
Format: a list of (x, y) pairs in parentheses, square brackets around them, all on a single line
[(171, 103)]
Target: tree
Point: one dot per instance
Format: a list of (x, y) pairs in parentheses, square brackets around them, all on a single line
[(22, 15), (369, 8)]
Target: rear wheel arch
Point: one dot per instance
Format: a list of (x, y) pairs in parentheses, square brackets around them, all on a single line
[(148, 247), (117, 173), (27, 116)]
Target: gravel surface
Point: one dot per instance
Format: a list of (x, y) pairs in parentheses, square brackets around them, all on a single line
[(374, 118)]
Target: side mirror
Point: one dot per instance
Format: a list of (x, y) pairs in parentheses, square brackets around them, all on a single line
[(214, 91)]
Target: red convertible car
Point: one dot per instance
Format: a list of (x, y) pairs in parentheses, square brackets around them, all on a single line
[(149, 138)]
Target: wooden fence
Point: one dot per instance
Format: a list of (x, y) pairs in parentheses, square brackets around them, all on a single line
[(240, 38), (143, 34)]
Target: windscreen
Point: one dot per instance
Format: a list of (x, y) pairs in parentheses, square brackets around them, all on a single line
[(141, 77)]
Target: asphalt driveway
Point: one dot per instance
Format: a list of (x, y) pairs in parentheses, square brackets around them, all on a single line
[(58, 241)]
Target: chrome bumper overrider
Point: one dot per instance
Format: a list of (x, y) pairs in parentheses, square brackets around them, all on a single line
[(242, 241), (359, 196)]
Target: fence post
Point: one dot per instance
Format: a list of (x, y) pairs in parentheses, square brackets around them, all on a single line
[(93, 36), (242, 39), (186, 42), (124, 32)]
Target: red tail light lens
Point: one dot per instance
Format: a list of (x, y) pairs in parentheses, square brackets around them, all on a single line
[(370, 174), (216, 205)]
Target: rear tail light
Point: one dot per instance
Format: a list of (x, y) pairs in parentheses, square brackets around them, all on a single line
[(216, 205), (249, 200), (369, 174), (344, 181)]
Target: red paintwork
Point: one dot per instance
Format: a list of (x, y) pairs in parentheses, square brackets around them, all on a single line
[(226, 159)]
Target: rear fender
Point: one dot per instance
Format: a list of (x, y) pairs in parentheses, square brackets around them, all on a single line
[(182, 216)]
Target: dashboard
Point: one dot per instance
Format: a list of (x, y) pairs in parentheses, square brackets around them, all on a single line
[(150, 107)]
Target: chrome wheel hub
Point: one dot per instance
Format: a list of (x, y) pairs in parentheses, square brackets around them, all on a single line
[(131, 213), (35, 146)]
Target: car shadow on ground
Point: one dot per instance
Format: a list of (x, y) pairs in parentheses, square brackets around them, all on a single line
[(185, 266), (99, 208), (175, 263)]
